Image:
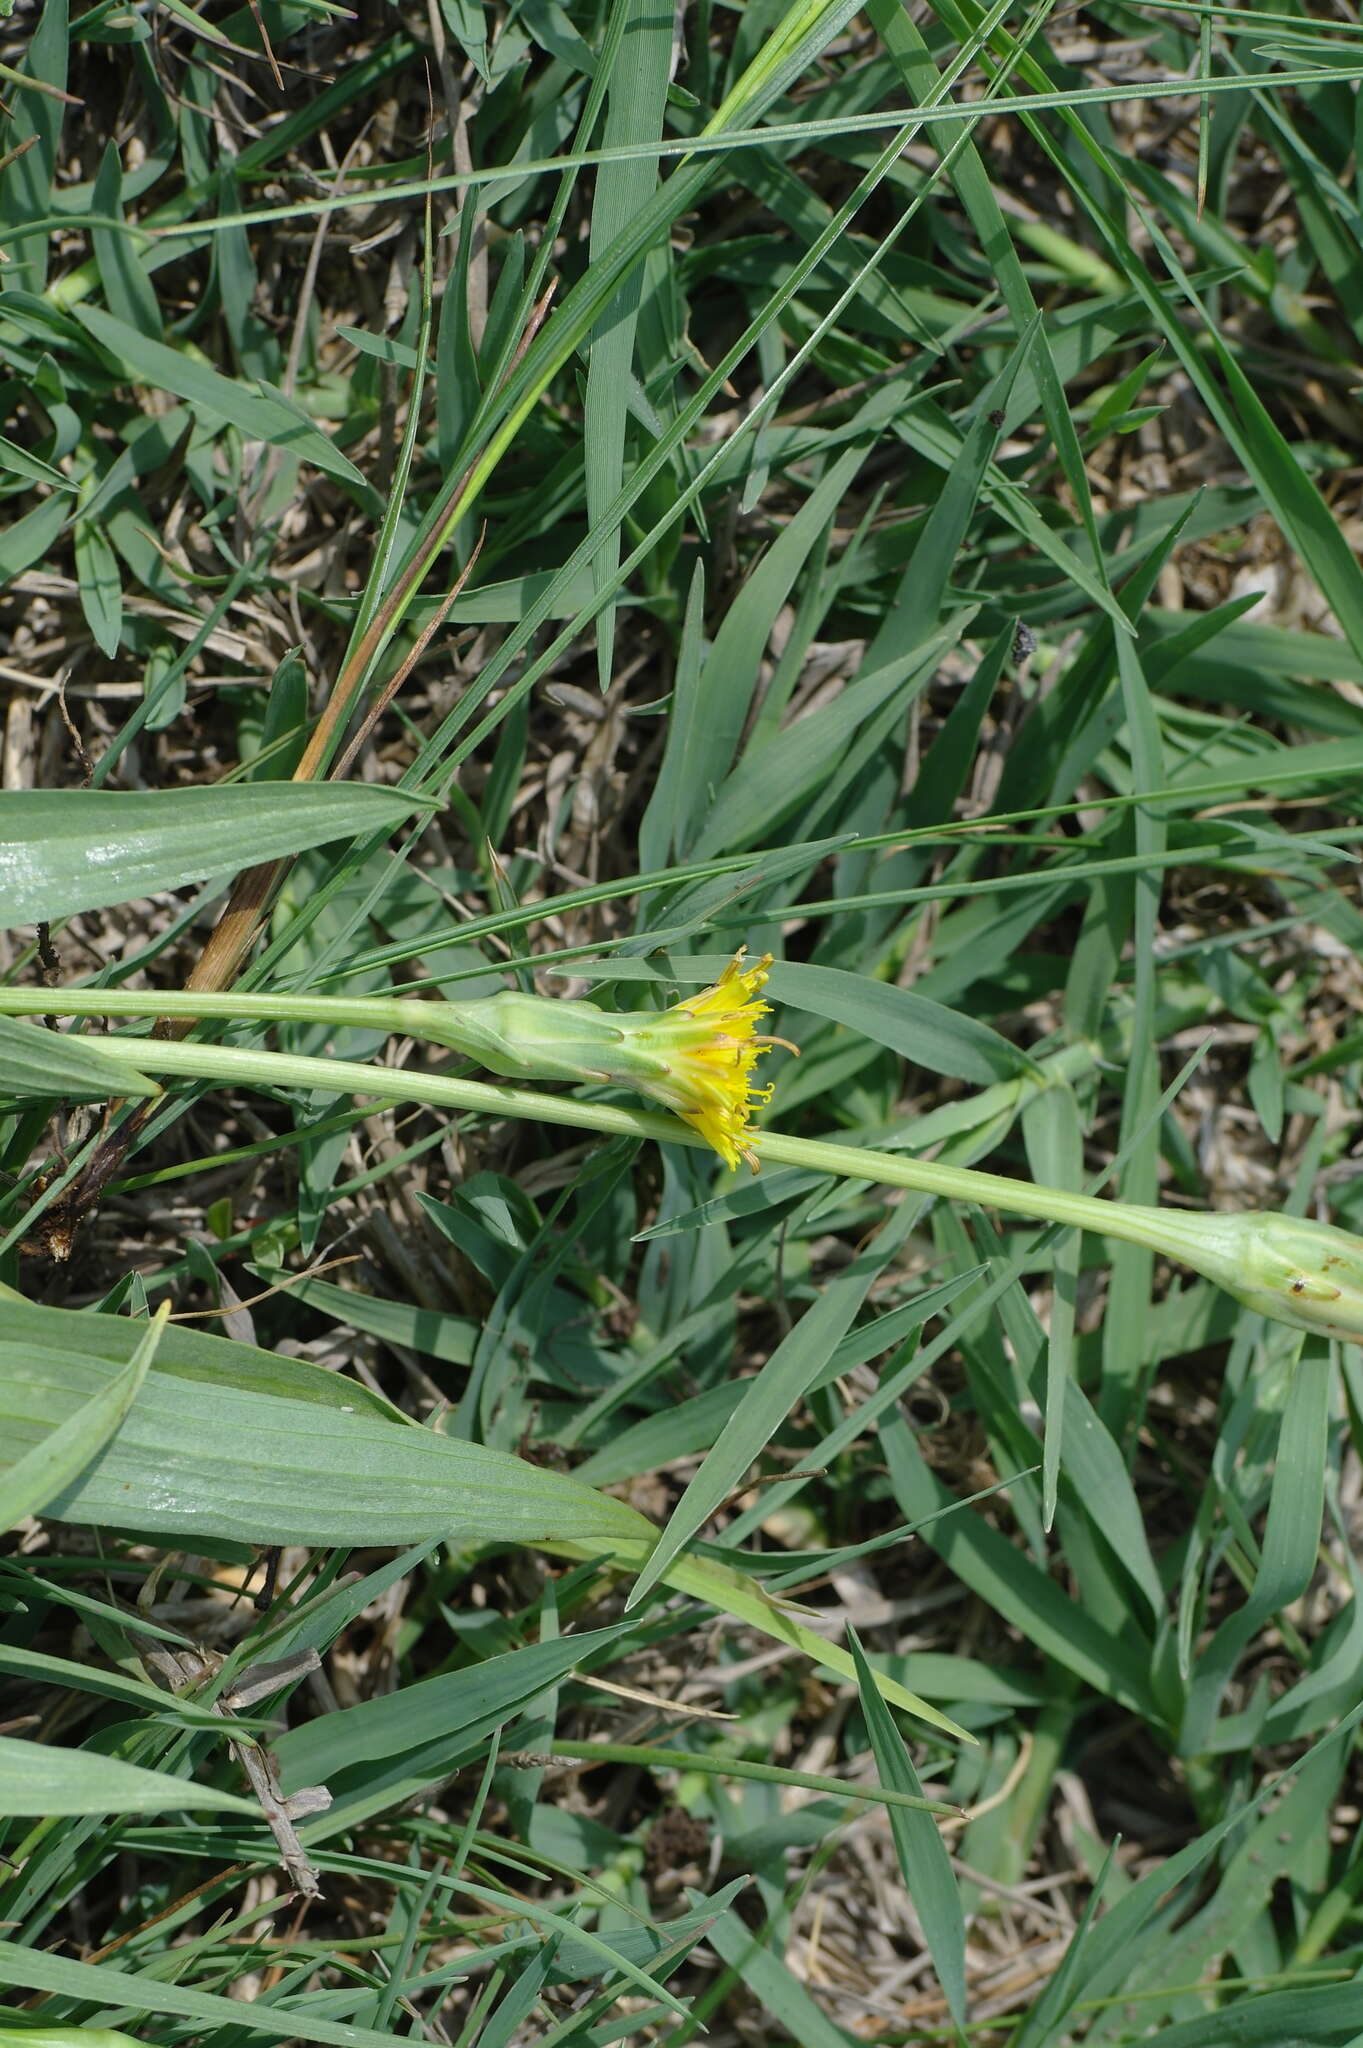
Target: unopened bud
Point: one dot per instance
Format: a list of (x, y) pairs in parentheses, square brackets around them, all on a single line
[(696, 1058), (1296, 1271)]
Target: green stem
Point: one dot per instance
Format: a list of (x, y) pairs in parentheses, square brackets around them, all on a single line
[(371, 1013), (1298, 1271), (887, 1169)]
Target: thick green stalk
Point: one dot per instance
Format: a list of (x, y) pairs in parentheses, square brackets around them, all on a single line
[(1152, 1227), (455, 1025), (1306, 1274), (372, 1013)]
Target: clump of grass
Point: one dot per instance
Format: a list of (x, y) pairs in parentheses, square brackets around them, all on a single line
[(508, 507)]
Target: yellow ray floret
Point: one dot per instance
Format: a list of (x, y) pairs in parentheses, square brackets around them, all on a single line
[(710, 1045), (696, 1058)]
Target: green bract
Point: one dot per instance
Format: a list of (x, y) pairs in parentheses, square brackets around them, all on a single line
[(1288, 1267)]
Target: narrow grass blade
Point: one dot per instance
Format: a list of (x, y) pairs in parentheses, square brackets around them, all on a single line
[(1291, 1540), (773, 1984), (26, 186), (39, 1778), (775, 1391), (636, 101), (1012, 1584), (1120, 1942), (922, 1854), (434, 1714), (1280, 1848), (706, 729), (1055, 1149), (1056, 2002), (108, 1987)]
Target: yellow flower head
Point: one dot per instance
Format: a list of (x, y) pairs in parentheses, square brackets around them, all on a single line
[(709, 1045), (696, 1058)]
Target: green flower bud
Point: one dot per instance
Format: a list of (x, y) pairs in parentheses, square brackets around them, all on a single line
[(1296, 1271), (535, 1038), (696, 1058)]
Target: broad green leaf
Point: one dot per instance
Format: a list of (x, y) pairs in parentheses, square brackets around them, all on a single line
[(128, 290), (206, 1450), (30, 538), (183, 1354), (101, 587), (36, 1062), (39, 1778), (66, 2037), (687, 1430), (380, 345), (434, 1332), (21, 463), (225, 1461), (55, 1460), (944, 1041), (64, 850)]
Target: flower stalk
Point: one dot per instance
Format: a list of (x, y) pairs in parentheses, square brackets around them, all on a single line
[(696, 1058), (1293, 1270)]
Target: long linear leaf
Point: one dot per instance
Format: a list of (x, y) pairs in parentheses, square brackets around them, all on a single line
[(64, 850), (105, 1986), (1291, 1540), (774, 1985), (778, 1387), (637, 99), (263, 415), (918, 1843), (463, 1704), (213, 1453), (38, 1778)]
